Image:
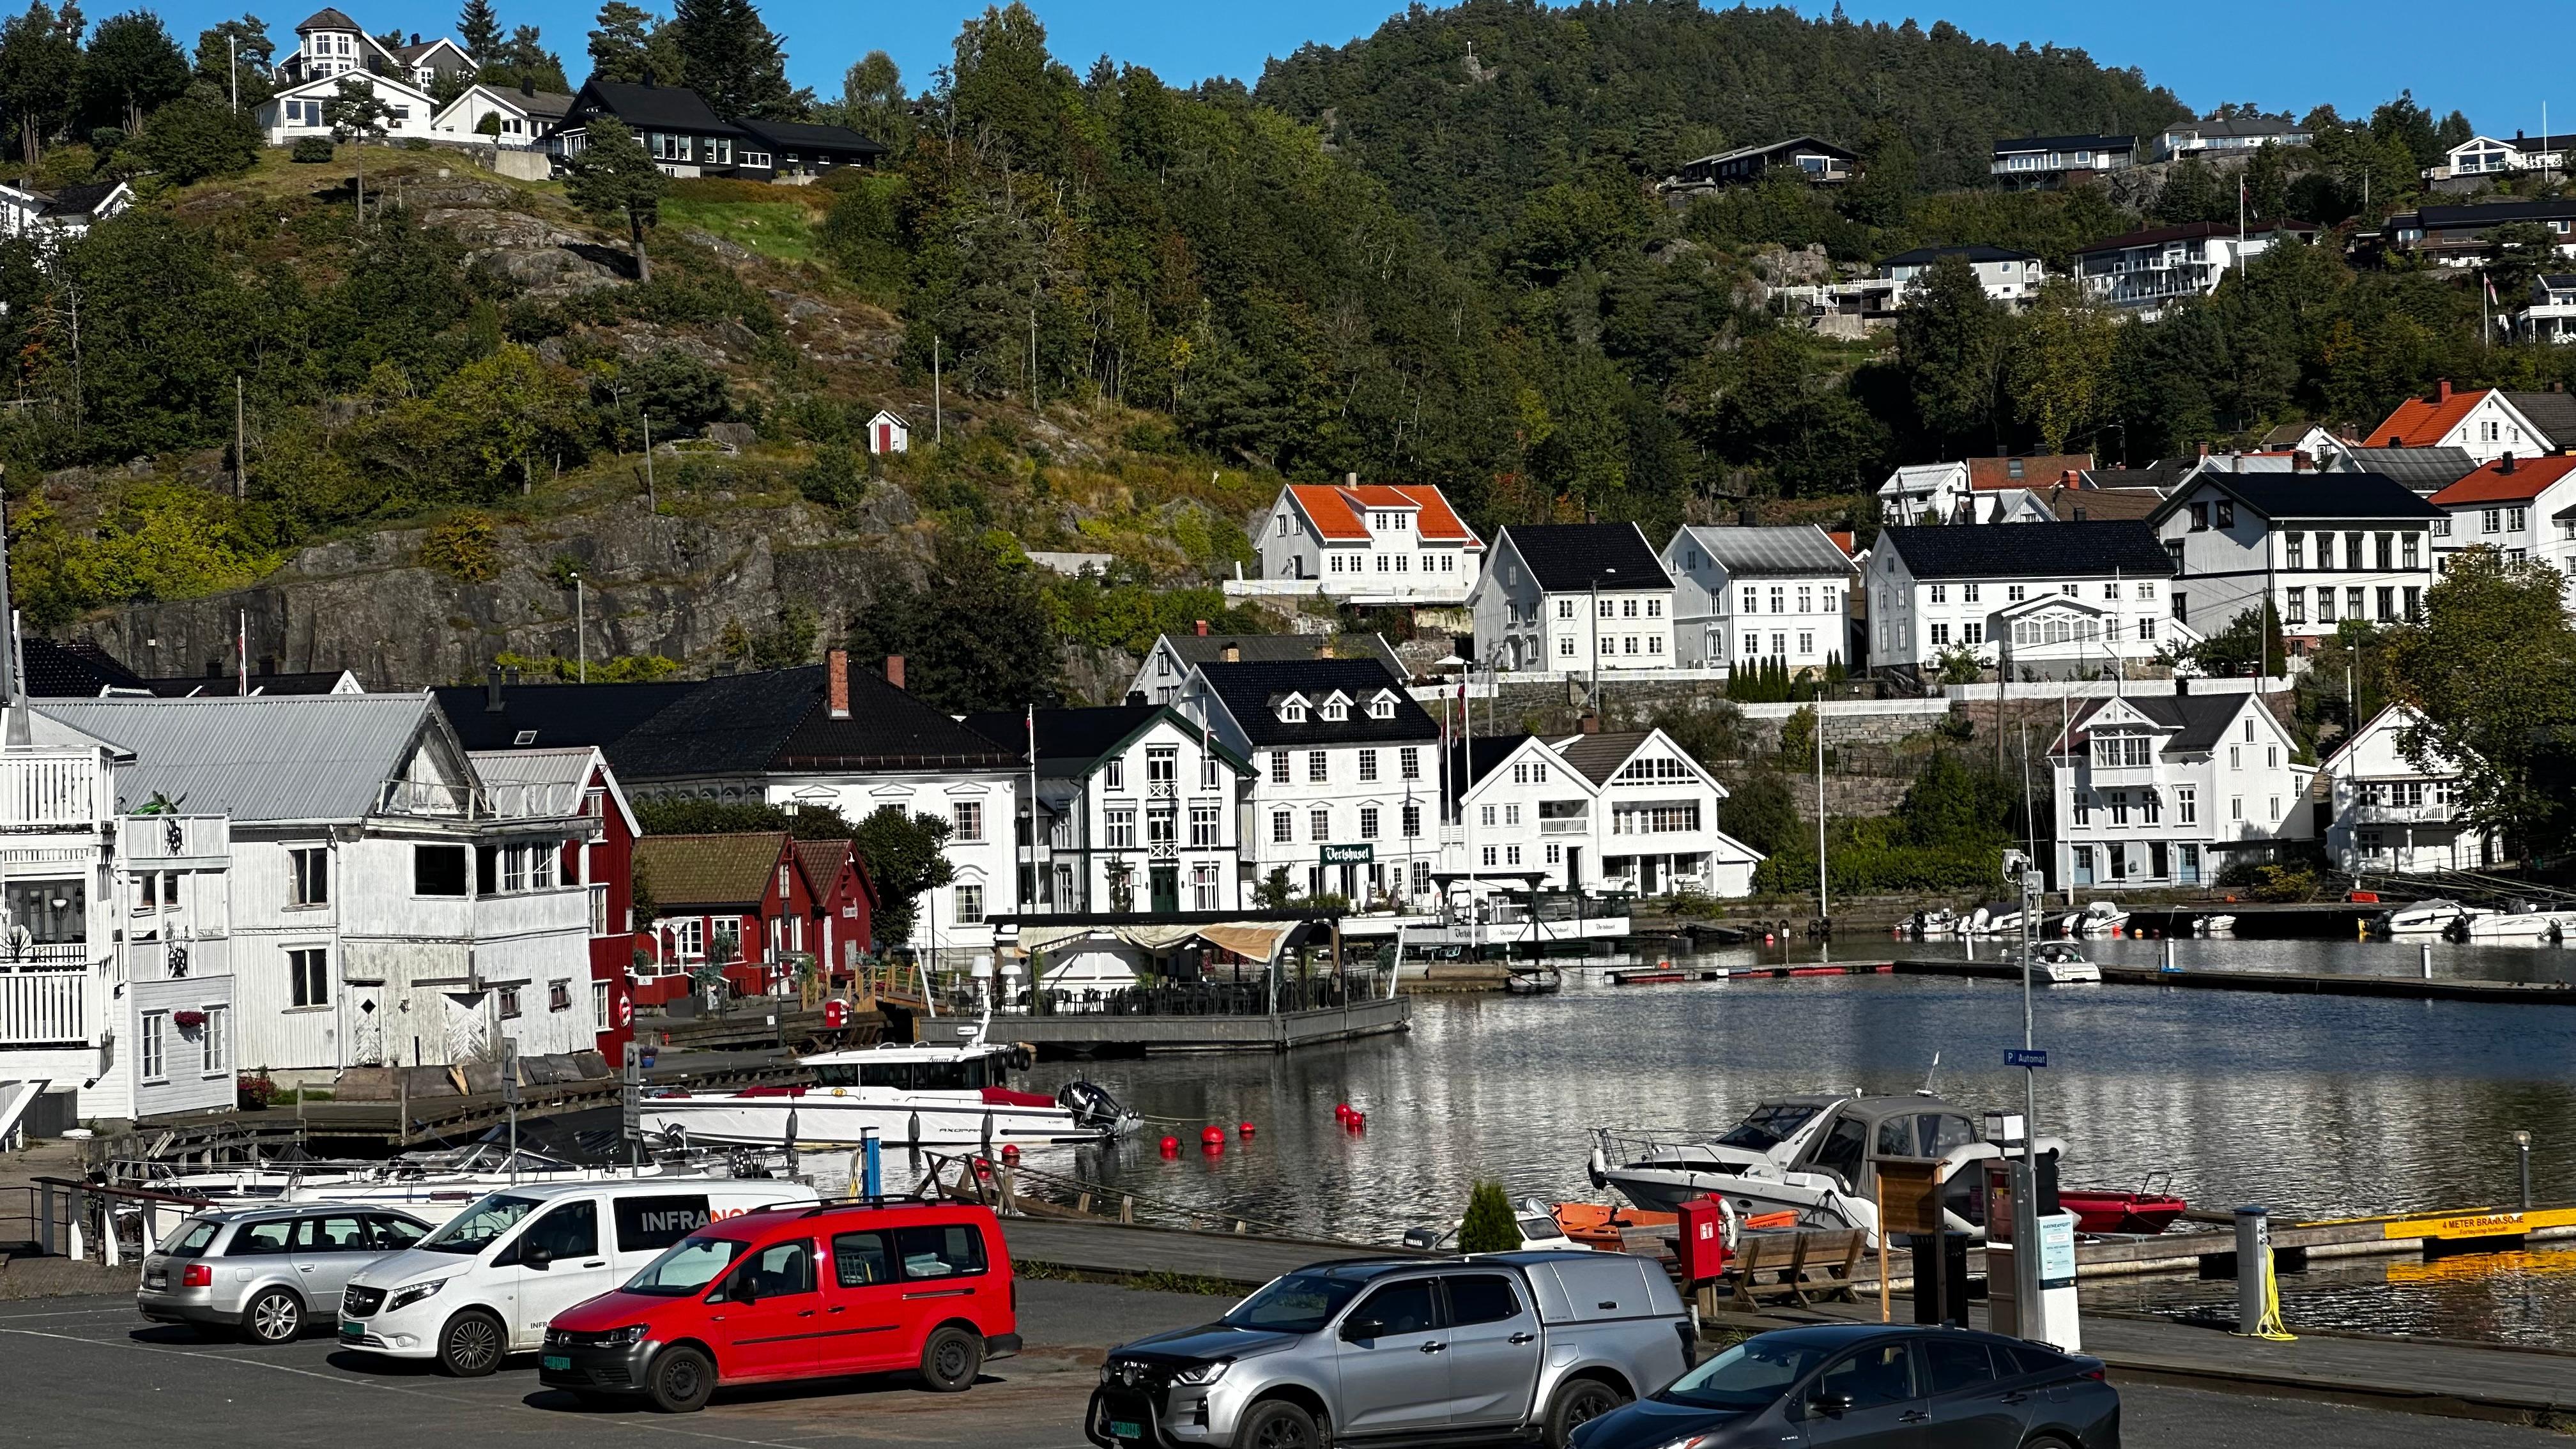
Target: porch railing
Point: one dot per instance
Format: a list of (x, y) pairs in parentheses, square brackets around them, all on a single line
[(57, 791), (45, 1008)]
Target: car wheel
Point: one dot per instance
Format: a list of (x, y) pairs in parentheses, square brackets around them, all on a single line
[(681, 1380), (275, 1316), (951, 1359), (1578, 1402), (1277, 1424), (471, 1344)]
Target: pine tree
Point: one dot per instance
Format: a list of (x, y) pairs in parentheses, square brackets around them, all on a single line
[(733, 60), (1489, 1226), (613, 179), (478, 29)]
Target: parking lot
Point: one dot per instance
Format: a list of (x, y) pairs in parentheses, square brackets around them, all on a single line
[(82, 1371)]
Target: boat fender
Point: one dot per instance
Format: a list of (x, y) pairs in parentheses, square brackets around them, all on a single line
[(1598, 1169)]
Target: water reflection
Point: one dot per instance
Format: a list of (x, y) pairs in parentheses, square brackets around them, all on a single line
[(2516, 1297)]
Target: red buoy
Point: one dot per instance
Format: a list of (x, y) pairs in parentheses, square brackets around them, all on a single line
[(1243, 1129), (1359, 1121), (1171, 1147), (1341, 1111), (1212, 1134), (1011, 1152)]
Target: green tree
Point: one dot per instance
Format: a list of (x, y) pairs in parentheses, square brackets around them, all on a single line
[(1949, 341), (356, 113), (2194, 191), (1488, 1226), (732, 59), (628, 45), (2250, 644), (874, 102), (39, 73), (234, 54), (1952, 803), (2516, 253), (2061, 371), (1762, 812), (1004, 86), (192, 140), (131, 70), (523, 61), (613, 180), (478, 29), (2487, 671), (906, 856), (977, 633)]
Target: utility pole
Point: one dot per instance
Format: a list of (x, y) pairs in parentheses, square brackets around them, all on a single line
[(938, 423), (12, 685), (1823, 909), (652, 504), (241, 650), (241, 445), (580, 631), (232, 63)]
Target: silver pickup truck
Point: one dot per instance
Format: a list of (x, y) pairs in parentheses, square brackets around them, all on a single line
[(1523, 1345)]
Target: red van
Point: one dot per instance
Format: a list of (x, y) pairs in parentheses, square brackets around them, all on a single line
[(797, 1292)]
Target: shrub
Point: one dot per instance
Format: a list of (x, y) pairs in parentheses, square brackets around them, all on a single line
[(311, 150), (1489, 1226), (415, 143), (466, 548)]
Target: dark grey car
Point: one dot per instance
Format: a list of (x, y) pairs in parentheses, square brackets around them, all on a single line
[(268, 1271)]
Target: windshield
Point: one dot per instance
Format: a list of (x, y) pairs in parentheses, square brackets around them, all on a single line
[(685, 1267), (1771, 1124), (1748, 1376), (481, 1225), (1298, 1303)]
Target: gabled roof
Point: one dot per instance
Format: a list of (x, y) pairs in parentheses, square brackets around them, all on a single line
[(559, 776), (1246, 691), (815, 138), (1598, 757), (2035, 468), (2492, 484), (823, 860), (2311, 495), (1278, 648), (1973, 251), (777, 720), (553, 714), (2553, 413), (1568, 558), (72, 669), (1334, 509), (2079, 505), (652, 107), (2421, 422), (2199, 721), (323, 85), (1793, 143), (710, 872), (2102, 547), (2393, 717), (419, 50), (83, 198), (2195, 231), (2019, 144), (1073, 742), (541, 105), (1799, 550), (293, 758), (2422, 469)]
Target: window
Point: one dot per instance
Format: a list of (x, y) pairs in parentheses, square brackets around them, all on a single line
[(1565, 646), (2414, 604), (2491, 520), (1555, 853), (2294, 550), (1970, 634), (1609, 609), (1292, 711), (2222, 514), (1872, 1377), (2387, 555), (2200, 518), (1278, 767), (309, 869), (2146, 589), (969, 901), (1750, 604), (2272, 757), (1283, 827), (969, 815), (559, 995), (2236, 807), (1319, 823), (2352, 603), (1114, 775), (155, 1052), (1203, 827), (1753, 643), (2014, 593), (2083, 807), (2408, 549), (1663, 817), (1411, 816), (1408, 763), (1368, 766), (308, 976), (2325, 606), (1488, 815), (438, 870), (1492, 857), (2296, 610), (2387, 604), (1940, 636), (599, 1004), (2147, 630), (2119, 808), (219, 1040), (1628, 607), (1940, 593), (1368, 822), (2236, 757), (509, 999), (1162, 827), (514, 869), (1654, 608), (1118, 827), (1318, 768), (1565, 608), (2186, 805), (1203, 888), (1512, 814), (1162, 768), (1511, 855)]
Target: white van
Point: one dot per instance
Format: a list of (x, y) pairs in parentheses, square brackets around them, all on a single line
[(486, 1284)]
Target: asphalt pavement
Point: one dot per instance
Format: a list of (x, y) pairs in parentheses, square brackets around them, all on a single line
[(85, 1371)]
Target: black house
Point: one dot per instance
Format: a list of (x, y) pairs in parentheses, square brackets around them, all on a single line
[(685, 136)]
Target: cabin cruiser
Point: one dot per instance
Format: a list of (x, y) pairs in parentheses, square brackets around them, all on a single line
[(2424, 918), (2213, 926), (2000, 918), (1815, 1156), (2055, 963), (2525, 922), (2101, 918), (913, 1094), (1941, 921)]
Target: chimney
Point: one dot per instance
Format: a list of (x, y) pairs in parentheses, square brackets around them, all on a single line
[(894, 670), (2299, 460), (1590, 724), (1744, 516), (2505, 464), (1202, 623), (1350, 480), (2395, 441), (492, 690), (1135, 697), (1231, 654), (2204, 450), (836, 697), (2182, 684), (2441, 390)]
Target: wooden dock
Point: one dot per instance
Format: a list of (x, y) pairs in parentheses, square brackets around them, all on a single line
[(2385, 988), (1105, 1033), (407, 1122)]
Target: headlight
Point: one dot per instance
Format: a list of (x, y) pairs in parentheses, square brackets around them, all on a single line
[(405, 1297), (555, 1337), (1204, 1373), (627, 1337)]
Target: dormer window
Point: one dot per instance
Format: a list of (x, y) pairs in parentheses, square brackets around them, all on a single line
[(1292, 710), (1382, 707), (1336, 710)]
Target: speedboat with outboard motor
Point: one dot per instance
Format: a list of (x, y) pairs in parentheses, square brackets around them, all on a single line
[(2101, 918), (2524, 923), (2423, 918), (2057, 963), (1816, 1156), (913, 1094), (1940, 921)]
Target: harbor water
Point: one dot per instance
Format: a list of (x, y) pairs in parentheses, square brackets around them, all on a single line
[(2312, 1106)]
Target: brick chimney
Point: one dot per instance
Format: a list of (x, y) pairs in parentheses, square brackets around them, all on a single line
[(894, 670), (1232, 654), (2204, 450), (836, 696), (1590, 724), (2441, 389), (1202, 623)]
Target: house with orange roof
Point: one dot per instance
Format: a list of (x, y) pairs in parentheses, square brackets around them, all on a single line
[(2522, 507), (2484, 423), (1968, 492), (1397, 543)]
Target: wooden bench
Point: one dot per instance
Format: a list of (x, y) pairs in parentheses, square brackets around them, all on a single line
[(1798, 1261)]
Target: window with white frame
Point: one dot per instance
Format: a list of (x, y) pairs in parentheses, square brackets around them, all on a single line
[(1203, 888), (1203, 827), (1118, 827), (968, 902), (1411, 819), (969, 816), (308, 977), (1318, 767), (1319, 823), (1283, 827), (1368, 822), (155, 1050), (1368, 766), (599, 1005), (559, 994), (1113, 775), (1408, 763), (2186, 805), (218, 1039), (1278, 767)]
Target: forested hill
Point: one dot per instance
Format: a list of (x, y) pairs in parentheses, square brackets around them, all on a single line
[(1649, 84)]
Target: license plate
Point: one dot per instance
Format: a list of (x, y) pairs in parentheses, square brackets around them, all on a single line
[(1126, 1429), (156, 1280), (561, 1363), (352, 1330)]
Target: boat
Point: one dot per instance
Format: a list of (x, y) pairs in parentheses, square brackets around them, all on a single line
[(2105, 1212), (913, 1094), (1997, 918), (1534, 981), (1661, 973), (2055, 963), (1939, 922), (2213, 925), (2524, 923), (2423, 918), (2101, 918), (1814, 1156)]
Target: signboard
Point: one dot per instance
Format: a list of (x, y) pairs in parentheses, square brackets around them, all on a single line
[(2057, 1251), (1350, 855), (2025, 1057), (1909, 1194)]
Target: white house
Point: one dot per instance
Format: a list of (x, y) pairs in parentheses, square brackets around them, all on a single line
[(2168, 790), (328, 43), (301, 110), (2521, 507), (1574, 597), (2222, 136), (1591, 812), (1745, 594), (2463, 236), (2549, 313), (64, 214), (1168, 664), (1950, 492), (2052, 601), (2494, 156), (2485, 423), (2046, 162), (2146, 271), (1384, 542), (2391, 818), (889, 433), (516, 117), (2323, 547), (2008, 278), (1345, 789), (1138, 809), (384, 907)]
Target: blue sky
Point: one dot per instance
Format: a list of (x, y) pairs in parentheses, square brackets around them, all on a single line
[(2280, 54)]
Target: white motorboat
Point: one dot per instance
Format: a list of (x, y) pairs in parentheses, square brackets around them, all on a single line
[(2055, 963), (1815, 1156), (2213, 925), (2101, 918), (1941, 921), (2525, 923), (2424, 918), (913, 1095), (2000, 918)]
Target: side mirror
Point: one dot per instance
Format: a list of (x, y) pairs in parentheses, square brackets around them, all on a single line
[(1829, 1404), (1361, 1330), (536, 1256), (745, 1289)]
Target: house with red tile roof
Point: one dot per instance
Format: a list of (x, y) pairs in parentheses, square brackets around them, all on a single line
[(2523, 507), (845, 902), (1366, 542), (2485, 423)]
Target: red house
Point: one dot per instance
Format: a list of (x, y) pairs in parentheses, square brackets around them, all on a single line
[(740, 902), (546, 781), (845, 904)]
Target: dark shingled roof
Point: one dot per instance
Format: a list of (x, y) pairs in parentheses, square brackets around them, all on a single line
[(777, 720), (1275, 648), (561, 714), (1471, 760), (2494, 213), (80, 198), (2312, 495), (781, 134), (1568, 558), (1973, 251), (823, 859), (2426, 470), (1248, 690), (1598, 756), (2200, 720), (703, 872), (2066, 143), (2095, 546), (329, 18), (659, 108), (2554, 413), (73, 669)]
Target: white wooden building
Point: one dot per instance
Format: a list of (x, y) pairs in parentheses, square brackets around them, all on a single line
[(2054, 600), (2523, 508), (1614, 812), (1742, 595), (2323, 547), (2163, 791), (2393, 818), (1367, 542), (301, 110), (1574, 597), (517, 118)]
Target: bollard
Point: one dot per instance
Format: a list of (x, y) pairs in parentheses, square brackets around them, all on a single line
[(872, 1168), (2253, 1264), (2522, 1144), (2169, 955), (2427, 949)]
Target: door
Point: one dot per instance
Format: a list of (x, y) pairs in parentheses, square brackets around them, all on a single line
[(766, 1318), (1166, 889), (2187, 865), (367, 1006), (2157, 857), (558, 1263), (863, 1309), (1393, 1361), (942, 1268), (1493, 1349), (1646, 874), (1867, 1400), (1574, 867), (1971, 1402), (2083, 865), (327, 1251)]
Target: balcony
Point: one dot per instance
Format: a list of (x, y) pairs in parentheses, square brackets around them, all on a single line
[(510, 800), (1577, 825), (46, 1008), (175, 842), (2429, 813), (178, 960), (52, 790)]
